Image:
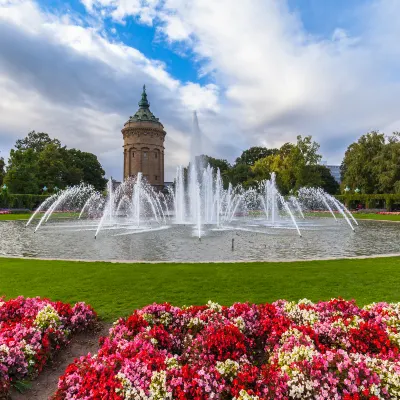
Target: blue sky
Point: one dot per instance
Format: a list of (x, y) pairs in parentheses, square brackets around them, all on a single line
[(258, 72), (319, 18)]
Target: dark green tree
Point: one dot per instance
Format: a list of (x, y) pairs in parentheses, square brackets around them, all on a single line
[(2, 170), (86, 167), (216, 163), (253, 154), (39, 161), (239, 174), (320, 176), (36, 141), (22, 172), (372, 164)]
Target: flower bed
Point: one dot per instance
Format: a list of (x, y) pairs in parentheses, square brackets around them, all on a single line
[(31, 330), (284, 350)]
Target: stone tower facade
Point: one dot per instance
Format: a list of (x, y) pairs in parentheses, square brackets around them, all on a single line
[(144, 138)]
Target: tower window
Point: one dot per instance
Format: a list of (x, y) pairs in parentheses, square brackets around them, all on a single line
[(133, 154), (145, 154), (156, 177), (155, 154)]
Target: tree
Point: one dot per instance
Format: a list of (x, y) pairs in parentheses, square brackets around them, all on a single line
[(39, 161), (372, 164), (36, 141), (22, 172), (86, 167), (323, 178), (253, 154), (2, 170), (388, 166), (241, 174), (216, 163), (295, 165)]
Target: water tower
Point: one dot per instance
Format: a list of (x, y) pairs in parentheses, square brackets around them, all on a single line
[(144, 137)]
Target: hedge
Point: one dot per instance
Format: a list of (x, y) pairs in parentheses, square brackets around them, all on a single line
[(370, 200), (31, 201), (27, 201)]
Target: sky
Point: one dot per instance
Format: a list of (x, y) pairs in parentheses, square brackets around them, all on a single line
[(258, 72)]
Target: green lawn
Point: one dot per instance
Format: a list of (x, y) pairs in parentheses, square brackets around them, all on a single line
[(8, 217), (116, 289), (376, 217), (13, 217)]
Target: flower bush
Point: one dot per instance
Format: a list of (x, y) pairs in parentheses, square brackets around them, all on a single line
[(31, 330), (283, 350)]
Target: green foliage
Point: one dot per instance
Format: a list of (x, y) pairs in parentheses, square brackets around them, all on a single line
[(87, 167), (326, 180), (39, 161), (253, 154), (36, 141), (216, 163), (21, 201), (372, 164), (22, 172), (388, 200), (2, 170), (241, 174), (296, 165)]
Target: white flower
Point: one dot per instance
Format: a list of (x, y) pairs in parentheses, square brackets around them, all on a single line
[(228, 368), (243, 395), (172, 362), (195, 323), (47, 317), (239, 322), (158, 387), (128, 391), (214, 306), (4, 350)]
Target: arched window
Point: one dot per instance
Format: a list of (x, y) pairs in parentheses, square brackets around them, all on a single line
[(145, 153)]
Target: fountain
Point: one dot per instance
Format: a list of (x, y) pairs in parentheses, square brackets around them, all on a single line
[(198, 199), (228, 222)]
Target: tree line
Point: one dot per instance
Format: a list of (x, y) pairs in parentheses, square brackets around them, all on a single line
[(295, 164), (39, 164), (371, 165)]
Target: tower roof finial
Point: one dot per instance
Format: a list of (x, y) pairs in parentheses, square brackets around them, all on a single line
[(143, 103)]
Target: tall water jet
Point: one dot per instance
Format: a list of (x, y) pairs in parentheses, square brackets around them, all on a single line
[(136, 198), (180, 204), (196, 139)]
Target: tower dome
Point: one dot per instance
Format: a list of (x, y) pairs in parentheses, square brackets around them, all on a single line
[(144, 137)]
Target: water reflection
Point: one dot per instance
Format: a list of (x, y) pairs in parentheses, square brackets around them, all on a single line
[(253, 241)]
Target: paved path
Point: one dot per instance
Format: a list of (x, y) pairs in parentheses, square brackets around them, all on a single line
[(45, 385)]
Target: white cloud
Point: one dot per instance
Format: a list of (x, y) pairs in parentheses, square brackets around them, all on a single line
[(271, 79), (71, 81), (277, 79)]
